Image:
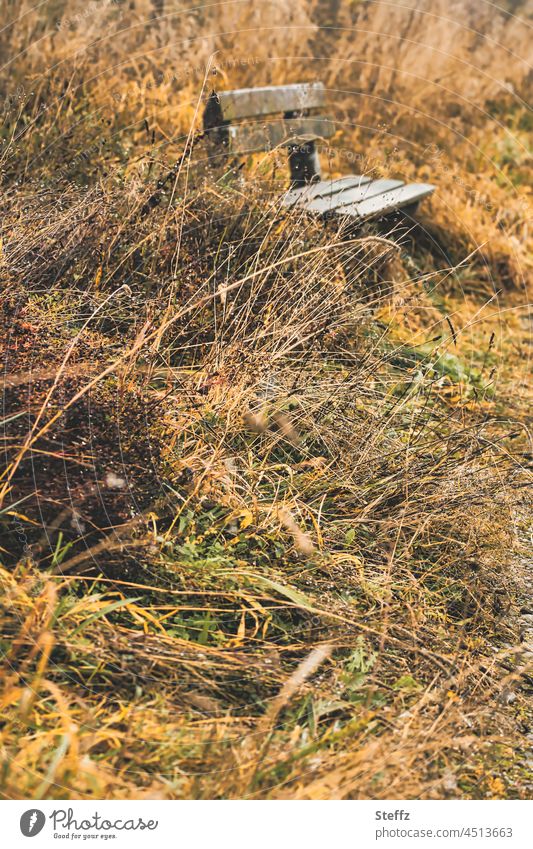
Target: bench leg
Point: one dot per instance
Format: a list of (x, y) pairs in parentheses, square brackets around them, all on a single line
[(304, 164)]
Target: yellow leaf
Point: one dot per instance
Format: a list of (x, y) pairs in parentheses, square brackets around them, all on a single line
[(11, 696), (22, 516), (246, 520), (98, 277)]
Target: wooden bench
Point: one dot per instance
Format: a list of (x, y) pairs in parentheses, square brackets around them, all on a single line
[(250, 120)]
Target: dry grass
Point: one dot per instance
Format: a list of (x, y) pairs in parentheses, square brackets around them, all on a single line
[(262, 494)]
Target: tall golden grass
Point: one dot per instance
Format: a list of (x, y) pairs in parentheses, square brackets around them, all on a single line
[(262, 495)]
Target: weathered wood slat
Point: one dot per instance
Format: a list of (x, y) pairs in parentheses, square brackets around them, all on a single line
[(388, 201), (249, 102), (324, 188), (245, 138), (352, 196)]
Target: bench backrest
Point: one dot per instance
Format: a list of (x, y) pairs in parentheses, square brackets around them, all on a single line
[(234, 122)]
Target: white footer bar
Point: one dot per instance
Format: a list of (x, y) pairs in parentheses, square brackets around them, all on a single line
[(268, 825)]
